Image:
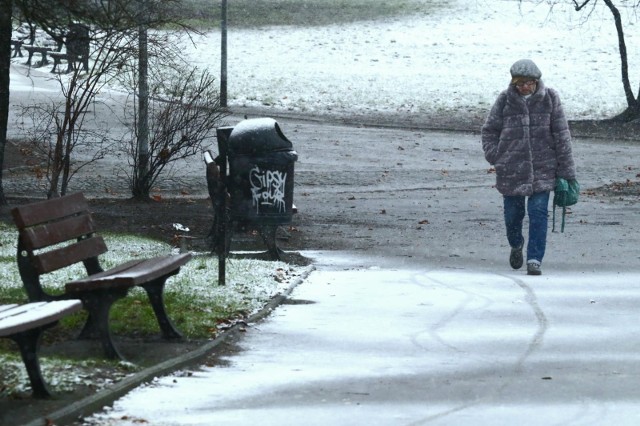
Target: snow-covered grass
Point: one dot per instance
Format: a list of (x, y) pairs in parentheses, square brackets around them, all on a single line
[(249, 283), (452, 59), (199, 307), (61, 375), (425, 59)]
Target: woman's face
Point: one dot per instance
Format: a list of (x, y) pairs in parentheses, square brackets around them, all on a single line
[(526, 87)]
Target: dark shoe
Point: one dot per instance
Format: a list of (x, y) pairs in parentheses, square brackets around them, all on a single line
[(515, 260), (533, 268)]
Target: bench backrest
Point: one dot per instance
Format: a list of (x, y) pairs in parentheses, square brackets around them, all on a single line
[(54, 234)]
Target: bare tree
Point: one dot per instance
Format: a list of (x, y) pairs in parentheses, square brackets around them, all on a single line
[(67, 119), (184, 111), (115, 45), (79, 90), (44, 124), (6, 6), (632, 112)]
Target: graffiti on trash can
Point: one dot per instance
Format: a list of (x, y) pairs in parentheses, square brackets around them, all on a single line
[(267, 188)]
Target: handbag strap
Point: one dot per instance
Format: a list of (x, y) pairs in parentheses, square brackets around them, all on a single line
[(564, 212)]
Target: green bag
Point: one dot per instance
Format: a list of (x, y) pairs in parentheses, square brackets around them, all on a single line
[(565, 194)]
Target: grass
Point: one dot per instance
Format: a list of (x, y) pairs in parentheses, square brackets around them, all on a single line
[(198, 306), (193, 298), (61, 375), (251, 13)]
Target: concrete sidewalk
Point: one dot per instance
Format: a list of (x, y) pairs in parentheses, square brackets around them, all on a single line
[(361, 344)]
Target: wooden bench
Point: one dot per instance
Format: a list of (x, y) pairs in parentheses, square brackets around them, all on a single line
[(71, 59), (17, 44), (37, 49), (24, 324), (60, 232)]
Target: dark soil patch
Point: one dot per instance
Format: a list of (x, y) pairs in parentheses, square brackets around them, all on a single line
[(628, 189), (606, 129)]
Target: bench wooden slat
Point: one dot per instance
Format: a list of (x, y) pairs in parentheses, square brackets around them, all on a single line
[(66, 229), (49, 210), (31, 315), (62, 257), (12, 309), (132, 273), (19, 309)]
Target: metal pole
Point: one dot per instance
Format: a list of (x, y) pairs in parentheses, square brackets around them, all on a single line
[(223, 134), (223, 55)]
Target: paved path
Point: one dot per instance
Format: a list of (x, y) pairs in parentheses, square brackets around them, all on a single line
[(360, 344), (420, 320)]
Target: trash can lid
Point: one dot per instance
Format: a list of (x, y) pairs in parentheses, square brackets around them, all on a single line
[(257, 135)]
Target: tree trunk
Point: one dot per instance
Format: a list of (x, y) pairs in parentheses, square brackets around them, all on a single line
[(56, 165), (140, 190), (6, 7), (633, 104)]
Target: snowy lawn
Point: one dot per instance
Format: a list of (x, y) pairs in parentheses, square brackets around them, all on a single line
[(419, 61), (450, 59)]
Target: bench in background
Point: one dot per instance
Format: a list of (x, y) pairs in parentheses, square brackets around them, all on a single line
[(24, 324), (71, 59), (60, 232), (17, 51), (37, 49)]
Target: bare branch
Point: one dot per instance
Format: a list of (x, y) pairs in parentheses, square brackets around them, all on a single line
[(580, 6), (184, 113)]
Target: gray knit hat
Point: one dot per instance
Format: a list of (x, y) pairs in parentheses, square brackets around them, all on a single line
[(525, 68)]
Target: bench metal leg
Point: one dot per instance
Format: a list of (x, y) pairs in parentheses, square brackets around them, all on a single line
[(155, 291), (98, 304), (29, 342)]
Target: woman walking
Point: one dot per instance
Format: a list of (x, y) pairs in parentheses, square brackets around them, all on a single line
[(526, 138)]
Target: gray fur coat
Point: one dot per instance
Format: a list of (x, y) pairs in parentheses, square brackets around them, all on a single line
[(528, 141)]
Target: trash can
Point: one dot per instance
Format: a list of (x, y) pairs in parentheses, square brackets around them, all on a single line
[(77, 43), (261, 167)]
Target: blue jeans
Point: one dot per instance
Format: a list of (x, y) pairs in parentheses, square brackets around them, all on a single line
[(537, 208)]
